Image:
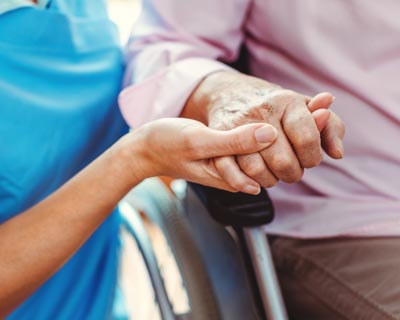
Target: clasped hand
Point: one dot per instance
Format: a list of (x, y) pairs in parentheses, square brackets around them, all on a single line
[(305, 127)]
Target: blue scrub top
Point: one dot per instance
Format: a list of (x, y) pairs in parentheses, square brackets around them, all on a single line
[(60, 74)]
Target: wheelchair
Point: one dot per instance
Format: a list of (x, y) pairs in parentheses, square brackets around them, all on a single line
[(218, 245)]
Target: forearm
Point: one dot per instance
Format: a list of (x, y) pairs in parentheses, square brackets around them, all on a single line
[(169, 54), (37, 242)]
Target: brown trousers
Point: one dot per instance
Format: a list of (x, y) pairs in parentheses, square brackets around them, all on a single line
[(339, 278)]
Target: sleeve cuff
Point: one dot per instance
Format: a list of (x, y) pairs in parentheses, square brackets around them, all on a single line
[(165, 94)]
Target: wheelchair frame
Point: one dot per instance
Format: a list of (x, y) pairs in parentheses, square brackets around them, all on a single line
[(256, 245)]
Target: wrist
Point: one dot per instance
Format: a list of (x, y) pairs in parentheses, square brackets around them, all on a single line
[(132, 157), (199, 105)]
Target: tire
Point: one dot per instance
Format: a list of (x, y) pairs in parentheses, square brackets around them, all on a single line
[(166, 213)]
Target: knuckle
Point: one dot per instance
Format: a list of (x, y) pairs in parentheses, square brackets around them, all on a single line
[(313, 161), (236, 144), (257, 170), (252, 166), (288, 97), (308, 149), (283, 164), (288, 169), (293, 177), (311, 164), (222, 165), (300, 126), (307, 141), (269, 183)]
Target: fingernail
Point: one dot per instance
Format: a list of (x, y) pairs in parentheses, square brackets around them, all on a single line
[(251, 189), (266, 133), (340, 148)]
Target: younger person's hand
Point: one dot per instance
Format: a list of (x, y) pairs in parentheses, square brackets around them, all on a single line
[(183, 148)]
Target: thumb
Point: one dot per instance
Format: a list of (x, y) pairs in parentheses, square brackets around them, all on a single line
[(245, 139)]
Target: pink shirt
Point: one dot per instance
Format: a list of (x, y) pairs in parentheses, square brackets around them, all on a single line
[(348, 47)]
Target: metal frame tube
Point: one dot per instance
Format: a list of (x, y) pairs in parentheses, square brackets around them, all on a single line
[(134, 225), (263, 265)]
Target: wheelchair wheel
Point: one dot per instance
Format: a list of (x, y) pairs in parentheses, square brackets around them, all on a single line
[(164, 210)]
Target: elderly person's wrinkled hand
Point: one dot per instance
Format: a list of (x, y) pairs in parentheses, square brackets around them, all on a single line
[(306, 127)]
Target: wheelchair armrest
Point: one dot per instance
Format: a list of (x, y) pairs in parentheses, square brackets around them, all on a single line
[(236, 209)]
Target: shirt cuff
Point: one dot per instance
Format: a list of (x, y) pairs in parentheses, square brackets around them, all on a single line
[(165, 94)]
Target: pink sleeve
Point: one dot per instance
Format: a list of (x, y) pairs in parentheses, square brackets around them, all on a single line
[(174, 45)]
